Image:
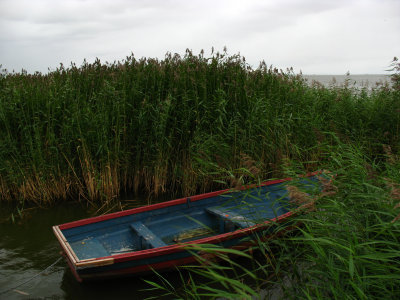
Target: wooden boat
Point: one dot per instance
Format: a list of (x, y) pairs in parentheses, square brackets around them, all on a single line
[(157, 236)]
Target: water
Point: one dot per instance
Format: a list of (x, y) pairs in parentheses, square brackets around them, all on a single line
[(368, 81), (29, 247)]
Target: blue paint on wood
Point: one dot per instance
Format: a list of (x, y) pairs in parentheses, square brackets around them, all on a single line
[(116, 236), (89, 248), (158, 228), (232, 216), (147, 235)]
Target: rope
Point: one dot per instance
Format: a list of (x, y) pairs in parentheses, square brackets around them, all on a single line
[(33, 277)]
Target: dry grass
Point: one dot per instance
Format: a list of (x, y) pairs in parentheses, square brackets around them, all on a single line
[(328, 188), (249, 170), (249, 164), (304, 200), (394, 195), (390, 157), (141, 126), (43, 192), (301, 199), (394, 188)]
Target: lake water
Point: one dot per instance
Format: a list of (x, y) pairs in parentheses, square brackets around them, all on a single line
[(368, 81), (29, 246)]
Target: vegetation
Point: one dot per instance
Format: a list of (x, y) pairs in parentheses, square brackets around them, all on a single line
[(347, 248), (173, 126), (188, 124)]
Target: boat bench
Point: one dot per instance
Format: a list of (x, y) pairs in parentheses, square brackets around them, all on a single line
[(235, 218), (150, 239)]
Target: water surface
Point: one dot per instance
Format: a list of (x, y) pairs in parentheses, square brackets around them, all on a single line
[(368, 81), (29, 246)]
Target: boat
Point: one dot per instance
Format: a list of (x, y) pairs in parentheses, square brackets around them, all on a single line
[(157, 237)]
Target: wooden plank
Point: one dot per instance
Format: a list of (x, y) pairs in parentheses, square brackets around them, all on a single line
[(68, 249), (65, 245), (95, 262), (230, 216), (144, 232)]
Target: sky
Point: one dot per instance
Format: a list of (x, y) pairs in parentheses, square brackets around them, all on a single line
[(312, 36)]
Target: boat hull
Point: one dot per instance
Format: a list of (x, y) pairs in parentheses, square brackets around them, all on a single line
[(87, 244)]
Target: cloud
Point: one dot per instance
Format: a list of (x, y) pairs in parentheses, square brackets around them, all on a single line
[(315, 36)]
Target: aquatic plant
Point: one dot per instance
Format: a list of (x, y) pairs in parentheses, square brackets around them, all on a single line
[(97, 131), (395, 77), (347, 247)]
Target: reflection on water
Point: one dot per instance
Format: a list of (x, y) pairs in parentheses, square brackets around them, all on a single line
[(30, 247)]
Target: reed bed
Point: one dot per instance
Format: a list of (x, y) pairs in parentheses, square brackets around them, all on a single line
[(190, 124), (172, 126), (347, 247)]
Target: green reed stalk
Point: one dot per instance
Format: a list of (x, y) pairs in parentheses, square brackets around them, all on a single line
[(99, 130), (348, 248)]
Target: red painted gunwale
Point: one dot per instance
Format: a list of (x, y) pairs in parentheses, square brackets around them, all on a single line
[(208, 240), (178, 247), (166, 265)]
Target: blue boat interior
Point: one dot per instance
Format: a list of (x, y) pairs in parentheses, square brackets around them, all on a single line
[(181, 223)]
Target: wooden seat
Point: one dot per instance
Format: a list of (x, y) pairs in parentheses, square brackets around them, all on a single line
[(147, 235), (232, 216)]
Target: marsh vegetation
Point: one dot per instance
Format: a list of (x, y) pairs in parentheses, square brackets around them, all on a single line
[(190, 124), (94, 132)]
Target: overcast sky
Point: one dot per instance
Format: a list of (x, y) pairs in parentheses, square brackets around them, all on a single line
[(314, 36)]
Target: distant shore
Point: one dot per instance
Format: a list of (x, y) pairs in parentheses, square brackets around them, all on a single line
[(359, 80)]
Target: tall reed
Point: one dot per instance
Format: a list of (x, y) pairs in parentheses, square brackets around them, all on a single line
[(347, 247), (153, 126)]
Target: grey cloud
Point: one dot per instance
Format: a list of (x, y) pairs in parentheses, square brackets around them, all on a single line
[(318, 34), (268, 16)]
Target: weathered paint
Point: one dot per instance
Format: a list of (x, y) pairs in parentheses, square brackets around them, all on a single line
[(145, 238)]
